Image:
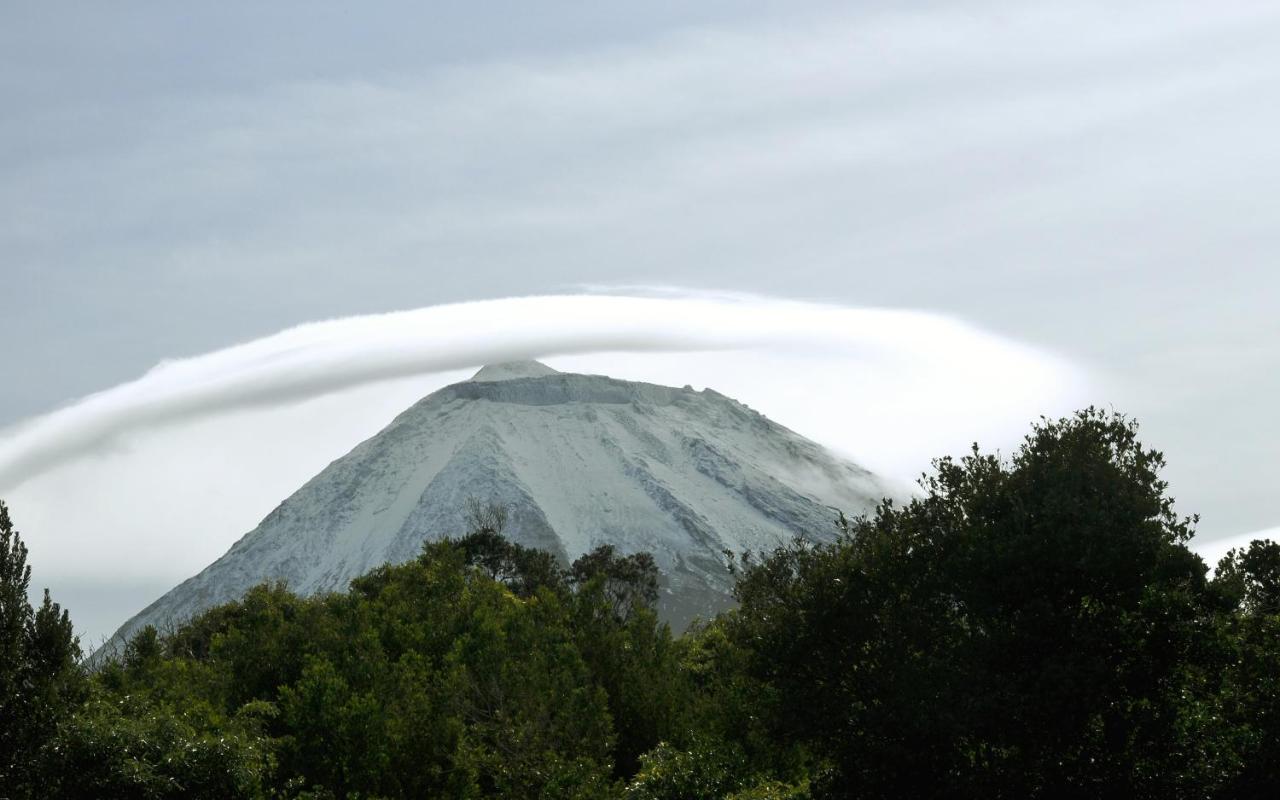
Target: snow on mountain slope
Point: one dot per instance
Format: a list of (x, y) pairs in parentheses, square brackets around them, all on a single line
[(580, 460)]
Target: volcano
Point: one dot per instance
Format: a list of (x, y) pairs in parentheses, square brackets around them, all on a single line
[(577, 460)]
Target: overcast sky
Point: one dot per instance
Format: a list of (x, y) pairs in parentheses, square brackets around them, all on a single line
[(1097, 181)]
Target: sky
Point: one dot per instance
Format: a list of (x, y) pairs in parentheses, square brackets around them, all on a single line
[(1090, 186)]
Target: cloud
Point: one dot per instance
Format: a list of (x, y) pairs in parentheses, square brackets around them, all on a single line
[(933, 122), (325, 357), (1213, 550)]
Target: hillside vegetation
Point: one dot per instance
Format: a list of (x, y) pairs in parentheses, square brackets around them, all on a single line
[(1031, 626)]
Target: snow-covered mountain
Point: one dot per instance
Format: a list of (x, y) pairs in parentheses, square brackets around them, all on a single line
[(579, 460)]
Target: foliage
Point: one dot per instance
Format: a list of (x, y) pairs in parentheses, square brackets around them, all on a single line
[(773, 790), (133, 747), (626, 584), (1028, 627), (481, 669), (703, 771), (40, 678), (1250, 581)]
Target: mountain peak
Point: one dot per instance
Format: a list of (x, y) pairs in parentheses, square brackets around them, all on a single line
[(506, 370), (578, 461)]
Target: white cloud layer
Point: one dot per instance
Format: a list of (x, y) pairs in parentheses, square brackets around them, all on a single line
[(147, 482), (1213, 550), (967, 372)]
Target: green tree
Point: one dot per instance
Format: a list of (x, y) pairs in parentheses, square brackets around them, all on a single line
[(15, 619), (628, 584), (705, 770), (1032, 627), (40, 677), (522, 569), (1249, 580), (134, 747)]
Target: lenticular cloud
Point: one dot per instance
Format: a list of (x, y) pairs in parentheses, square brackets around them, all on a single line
[(942, 354)]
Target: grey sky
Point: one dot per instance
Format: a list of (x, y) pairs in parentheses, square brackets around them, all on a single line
[(1098, 179)]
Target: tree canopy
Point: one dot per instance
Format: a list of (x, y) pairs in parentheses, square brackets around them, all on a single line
[(1030, 626)]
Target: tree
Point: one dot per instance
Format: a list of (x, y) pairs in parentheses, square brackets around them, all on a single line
[(702, 771), (628, 584), (521, 569), (1029, 627), (15, 620), (490, 517), (1249, 581), (1251, 577), (40, 678), (133, 747)]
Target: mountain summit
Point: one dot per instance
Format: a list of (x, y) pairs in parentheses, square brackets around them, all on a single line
[(513, 369), (579, 461)]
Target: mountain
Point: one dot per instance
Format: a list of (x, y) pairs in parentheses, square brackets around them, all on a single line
[(579, 460)]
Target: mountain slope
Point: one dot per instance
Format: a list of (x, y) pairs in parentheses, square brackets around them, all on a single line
[(580, 460)]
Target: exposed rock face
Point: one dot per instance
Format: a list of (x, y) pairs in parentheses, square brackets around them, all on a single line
[(580, 460)]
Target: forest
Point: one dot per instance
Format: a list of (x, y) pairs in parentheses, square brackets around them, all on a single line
[(1031, 625)]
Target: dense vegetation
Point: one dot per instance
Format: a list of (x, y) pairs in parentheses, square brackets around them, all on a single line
[(1029, 627)]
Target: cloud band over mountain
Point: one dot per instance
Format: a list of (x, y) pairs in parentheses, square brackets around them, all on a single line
[(324, 357)]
